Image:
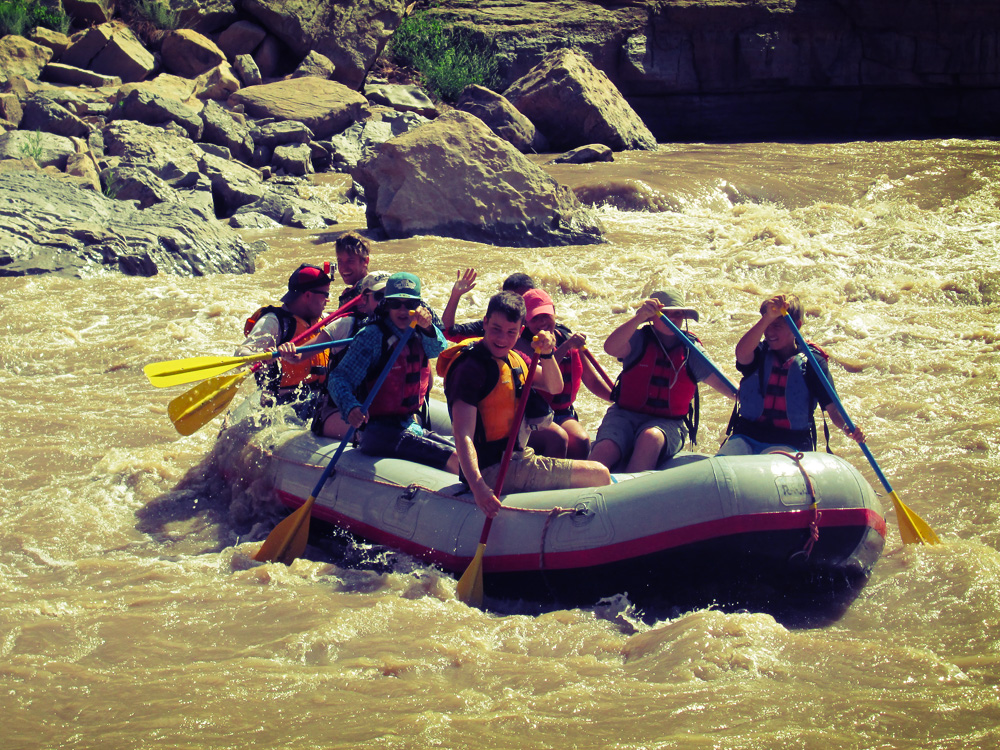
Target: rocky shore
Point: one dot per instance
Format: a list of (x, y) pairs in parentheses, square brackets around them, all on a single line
[(146, 154)]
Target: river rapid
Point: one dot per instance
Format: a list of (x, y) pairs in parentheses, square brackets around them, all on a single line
[(131, 616)]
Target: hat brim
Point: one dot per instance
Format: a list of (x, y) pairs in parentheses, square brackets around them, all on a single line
[(689, 313), (402, 296)]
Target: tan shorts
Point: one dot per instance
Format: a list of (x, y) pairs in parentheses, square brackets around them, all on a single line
[(529, 472)]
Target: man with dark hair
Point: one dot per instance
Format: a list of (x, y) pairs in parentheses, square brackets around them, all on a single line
[(483, 381), (290, 380)]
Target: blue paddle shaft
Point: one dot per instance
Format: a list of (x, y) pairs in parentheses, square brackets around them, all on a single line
[(698, 353), (309, 348), (834, 397), (364, 408)]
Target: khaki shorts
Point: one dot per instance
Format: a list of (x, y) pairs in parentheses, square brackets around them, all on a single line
[(529, 472)]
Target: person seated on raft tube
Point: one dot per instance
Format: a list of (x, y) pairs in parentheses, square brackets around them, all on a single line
[(292, 379), (779, 390), (353, 253), (519, 283), (564, 436), (326, 417), (483, 379), (657, 386), (391, 427)]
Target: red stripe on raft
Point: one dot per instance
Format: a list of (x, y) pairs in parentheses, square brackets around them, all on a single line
[(674, 538)]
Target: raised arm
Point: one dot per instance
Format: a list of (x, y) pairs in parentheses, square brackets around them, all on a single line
[(617, 344), (465, 282)]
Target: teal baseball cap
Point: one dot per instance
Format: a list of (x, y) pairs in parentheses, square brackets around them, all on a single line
[(402, 286)]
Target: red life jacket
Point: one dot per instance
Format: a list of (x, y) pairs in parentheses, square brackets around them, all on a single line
[(658, 383), (571, 367), (408, 381), (281, 374)]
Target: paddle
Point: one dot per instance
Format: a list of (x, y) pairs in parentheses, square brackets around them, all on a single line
[(597, 366), (470, 585), (288, 539), (182, 371), (912, 528), (699, 353), (195, 408)]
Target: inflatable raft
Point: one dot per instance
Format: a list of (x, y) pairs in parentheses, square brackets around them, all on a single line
[(775, 533)]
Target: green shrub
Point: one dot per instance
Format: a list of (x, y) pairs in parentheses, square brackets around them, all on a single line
[(156, 13), (448, 57), (32, 147), (22, 16)]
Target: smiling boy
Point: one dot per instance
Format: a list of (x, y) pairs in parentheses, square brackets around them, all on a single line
[(483, 381)]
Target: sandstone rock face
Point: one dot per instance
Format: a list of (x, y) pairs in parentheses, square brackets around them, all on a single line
[(189, 54), (738, 69), (21, 57), (453, 177), (326, 107), (351, 34), (222, 129), (50, 225), (502, 118), (574, 104)]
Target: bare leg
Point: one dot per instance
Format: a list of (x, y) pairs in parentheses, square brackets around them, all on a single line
[(605, 452), (550, 441), (648, 447), (589, 474), (578, 439)]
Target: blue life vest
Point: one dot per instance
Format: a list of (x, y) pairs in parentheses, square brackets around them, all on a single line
[(800, 403)]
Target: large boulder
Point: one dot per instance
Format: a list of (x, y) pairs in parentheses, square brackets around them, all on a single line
[(241, 38), (189, 54), (143, 106), (351, 34), (453, 177), (203, 16), (574, 104), (351, 146), (502, 118), (49, 225), (326, 107), (223, 129), (43, 113), (111, 49), (22, 57)]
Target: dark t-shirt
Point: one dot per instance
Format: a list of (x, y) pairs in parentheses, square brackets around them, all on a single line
[(461, 331)]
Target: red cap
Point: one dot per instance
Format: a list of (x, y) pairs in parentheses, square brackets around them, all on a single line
[(538, 302), (304, 278)]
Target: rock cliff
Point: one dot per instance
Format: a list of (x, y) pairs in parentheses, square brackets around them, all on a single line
[(738, 69)]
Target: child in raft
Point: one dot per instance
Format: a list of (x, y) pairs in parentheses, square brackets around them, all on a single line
[(779, 390), (564, 436)]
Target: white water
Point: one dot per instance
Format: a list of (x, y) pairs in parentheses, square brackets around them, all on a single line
[(128, 618)]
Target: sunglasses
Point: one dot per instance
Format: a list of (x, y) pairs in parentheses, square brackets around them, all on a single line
[(409, 304), (321, 294)]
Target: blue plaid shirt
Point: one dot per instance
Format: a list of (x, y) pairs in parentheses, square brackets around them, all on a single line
[(365, 351)]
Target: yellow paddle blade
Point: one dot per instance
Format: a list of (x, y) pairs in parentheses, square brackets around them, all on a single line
[(470, 585), (183, 371), (195, 408), (288, 539), (912, 528)]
